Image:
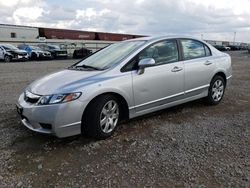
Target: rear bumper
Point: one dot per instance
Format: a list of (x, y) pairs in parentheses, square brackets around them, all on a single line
[(63, 119)]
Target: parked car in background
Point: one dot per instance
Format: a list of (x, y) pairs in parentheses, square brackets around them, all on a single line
[(35, 52), (81, 53), (122, 81), (227, 48), (243, 48), (9, 53), (55, 50), (220, 47), (234, 47)]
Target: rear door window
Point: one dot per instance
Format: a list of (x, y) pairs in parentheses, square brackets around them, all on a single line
[(192, 49)]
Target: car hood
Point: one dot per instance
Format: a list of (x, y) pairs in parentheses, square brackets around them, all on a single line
[(17, 51), (63, 81)]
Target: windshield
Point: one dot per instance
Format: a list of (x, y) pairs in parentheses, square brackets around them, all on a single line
[(54, 47), (35, 48), (111, 55), (9, 47)]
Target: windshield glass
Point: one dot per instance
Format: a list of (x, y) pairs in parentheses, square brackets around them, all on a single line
[(54, 47), (111, 55), (35, 48), (9, 47)]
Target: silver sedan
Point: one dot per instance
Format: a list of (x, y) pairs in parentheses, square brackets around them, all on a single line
[(123, 81)]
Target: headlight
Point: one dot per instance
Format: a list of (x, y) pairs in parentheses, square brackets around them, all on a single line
[(58, 98)]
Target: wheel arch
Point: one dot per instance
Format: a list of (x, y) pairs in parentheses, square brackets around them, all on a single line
[(222, 74), (8, 55), (122, 102)]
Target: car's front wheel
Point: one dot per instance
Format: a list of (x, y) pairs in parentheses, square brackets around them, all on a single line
[(101, 117), (216, 90), (7, 59)]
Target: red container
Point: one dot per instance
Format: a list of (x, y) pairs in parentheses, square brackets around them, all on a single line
[(114, 36), (66, 34), (50, 33)]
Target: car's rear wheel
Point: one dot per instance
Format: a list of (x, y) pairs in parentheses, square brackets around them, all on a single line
[(7, 59), (34, 56), (216, 90), (101, 117)]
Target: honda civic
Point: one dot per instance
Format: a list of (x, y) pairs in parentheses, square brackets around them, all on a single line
[(122, 81)]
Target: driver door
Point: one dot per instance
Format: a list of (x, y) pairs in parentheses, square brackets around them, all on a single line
[(162, 83)]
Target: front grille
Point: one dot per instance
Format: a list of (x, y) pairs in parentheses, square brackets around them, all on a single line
[(22, 53), (61, 53)]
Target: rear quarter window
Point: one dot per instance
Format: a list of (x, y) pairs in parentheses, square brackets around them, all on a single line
[(207, 50)]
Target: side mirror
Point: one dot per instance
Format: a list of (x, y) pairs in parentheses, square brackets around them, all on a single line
[(148, 62)]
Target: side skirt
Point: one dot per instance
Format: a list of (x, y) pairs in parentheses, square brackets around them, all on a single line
[(190, 96)]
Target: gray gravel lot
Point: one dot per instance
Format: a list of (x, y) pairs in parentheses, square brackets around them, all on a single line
[(191, 145)]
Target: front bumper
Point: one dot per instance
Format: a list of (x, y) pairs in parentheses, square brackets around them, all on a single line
[(63, 119), (61, 55), (20, 57), (45, 56)]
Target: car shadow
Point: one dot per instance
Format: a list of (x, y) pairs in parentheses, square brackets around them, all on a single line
[(35, 142), (172, 110)]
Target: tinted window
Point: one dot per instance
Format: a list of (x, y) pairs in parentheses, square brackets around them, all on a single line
[(162, 52), (192, 49)]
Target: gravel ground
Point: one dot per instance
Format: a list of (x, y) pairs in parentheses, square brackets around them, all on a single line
[(191, 145)]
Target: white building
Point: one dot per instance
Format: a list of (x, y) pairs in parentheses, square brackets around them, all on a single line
[(13, 32)]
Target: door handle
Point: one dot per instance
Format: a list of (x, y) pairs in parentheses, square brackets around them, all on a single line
[(177, 69), (208, 62)]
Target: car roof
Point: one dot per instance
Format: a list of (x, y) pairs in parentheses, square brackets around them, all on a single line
[(7, 45), (162, 37)]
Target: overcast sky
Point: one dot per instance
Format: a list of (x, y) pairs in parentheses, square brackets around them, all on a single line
[(214, 19)]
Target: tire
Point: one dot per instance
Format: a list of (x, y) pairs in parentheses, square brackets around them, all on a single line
[(7, 59), (34, 56), (216, 90), (101, 117)]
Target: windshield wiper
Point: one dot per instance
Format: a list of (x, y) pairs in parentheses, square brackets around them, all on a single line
[(86, 66)]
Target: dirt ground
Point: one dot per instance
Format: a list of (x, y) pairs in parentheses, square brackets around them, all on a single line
[(191, 145)]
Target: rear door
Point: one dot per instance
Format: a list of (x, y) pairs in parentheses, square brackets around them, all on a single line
[(199, 66)]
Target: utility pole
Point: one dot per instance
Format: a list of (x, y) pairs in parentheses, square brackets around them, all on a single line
[(201, 36), (234, 37)]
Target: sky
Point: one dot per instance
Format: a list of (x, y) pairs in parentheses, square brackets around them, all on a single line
[(206, 19)]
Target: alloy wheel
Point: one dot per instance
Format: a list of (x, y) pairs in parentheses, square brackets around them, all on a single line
[(109, 116), (217, 90), (7, 59)]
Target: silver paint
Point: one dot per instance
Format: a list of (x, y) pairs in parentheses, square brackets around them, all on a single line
[(158, 87)]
